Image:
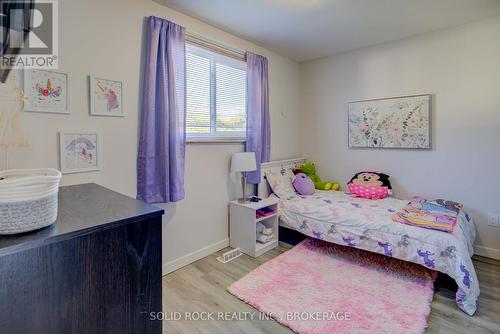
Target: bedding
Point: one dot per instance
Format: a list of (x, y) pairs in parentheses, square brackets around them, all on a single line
[(367, 224), (438, 215), (281, 183)]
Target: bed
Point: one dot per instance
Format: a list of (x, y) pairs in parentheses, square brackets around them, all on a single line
[(339, 218)]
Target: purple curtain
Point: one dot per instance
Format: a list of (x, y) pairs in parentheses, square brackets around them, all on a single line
[(258, 124), (160, 161)]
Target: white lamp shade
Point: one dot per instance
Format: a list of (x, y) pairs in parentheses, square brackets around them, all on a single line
[(243, 162)]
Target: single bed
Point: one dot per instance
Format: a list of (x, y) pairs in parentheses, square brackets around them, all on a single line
[(340, 218)]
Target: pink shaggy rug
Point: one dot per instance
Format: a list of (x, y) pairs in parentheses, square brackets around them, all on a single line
[(319, 287)]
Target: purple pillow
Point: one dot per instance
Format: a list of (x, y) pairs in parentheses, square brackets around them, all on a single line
[(303, 184)]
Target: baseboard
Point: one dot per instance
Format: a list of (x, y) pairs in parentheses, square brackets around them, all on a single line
[(194, 256), (492, 253)]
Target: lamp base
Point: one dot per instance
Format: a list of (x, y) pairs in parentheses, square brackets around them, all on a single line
[(244, 199)]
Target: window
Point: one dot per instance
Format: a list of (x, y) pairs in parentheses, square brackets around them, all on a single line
[(215, 96)]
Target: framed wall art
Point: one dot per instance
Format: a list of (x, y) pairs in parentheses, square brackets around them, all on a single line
[(106, 97), (46, 91), (80, 151), (398, 122)]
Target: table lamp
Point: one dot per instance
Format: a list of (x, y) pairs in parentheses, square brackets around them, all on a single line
[(243, 162)]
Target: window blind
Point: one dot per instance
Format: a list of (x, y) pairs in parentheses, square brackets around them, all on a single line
[(197, 94), (215, 95), (230, 99)]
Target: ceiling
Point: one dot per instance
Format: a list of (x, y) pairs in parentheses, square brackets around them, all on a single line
[(309, 29)]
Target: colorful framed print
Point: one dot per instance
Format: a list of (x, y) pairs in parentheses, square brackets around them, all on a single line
[(106, 97), (79, 151), (397, 122), (46, 91)]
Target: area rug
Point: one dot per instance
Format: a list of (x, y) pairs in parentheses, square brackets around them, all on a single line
[(319, 288)]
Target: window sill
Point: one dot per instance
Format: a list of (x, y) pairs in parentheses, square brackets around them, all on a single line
[(194, 140)]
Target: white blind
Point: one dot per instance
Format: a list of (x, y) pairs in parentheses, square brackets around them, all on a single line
[(197, 94), (216, 95), (230, 99)]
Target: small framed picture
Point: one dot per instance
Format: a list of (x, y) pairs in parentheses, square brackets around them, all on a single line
[(46, 91), (106, 97), (80, 151)]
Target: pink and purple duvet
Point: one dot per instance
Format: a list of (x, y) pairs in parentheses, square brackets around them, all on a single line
[(367, 224)]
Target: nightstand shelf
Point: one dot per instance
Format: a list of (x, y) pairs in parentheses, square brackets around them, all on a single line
[(243, 226), (264, 218)]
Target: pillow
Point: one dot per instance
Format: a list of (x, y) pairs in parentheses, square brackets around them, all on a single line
[(281, 183), (371, 185), (369, 192), (303, 184)]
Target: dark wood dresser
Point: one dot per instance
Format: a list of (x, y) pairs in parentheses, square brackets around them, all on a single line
[(96, 270)]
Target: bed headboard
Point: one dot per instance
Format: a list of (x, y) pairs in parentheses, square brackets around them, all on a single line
[(263, 189)]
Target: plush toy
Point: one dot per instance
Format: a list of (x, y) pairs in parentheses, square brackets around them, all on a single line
[(309, 168), (296, 170), (303, 184), (372, 179), (371, 185)]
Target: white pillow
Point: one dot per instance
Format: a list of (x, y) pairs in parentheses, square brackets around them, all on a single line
[(281, 184)]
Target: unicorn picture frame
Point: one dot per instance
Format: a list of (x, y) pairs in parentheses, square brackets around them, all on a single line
[(80, 151), (106, 97), (46, 91)]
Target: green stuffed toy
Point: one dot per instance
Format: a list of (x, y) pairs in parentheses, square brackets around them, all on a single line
[(309, 168)]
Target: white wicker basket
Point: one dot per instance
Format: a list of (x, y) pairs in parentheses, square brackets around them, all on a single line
[(28, 199)]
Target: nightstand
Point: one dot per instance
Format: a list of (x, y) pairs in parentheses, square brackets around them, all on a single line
[(243, 226)]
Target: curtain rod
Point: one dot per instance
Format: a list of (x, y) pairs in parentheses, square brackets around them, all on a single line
[(218, 47)]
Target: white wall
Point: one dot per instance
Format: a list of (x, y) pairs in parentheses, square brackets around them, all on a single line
[(461, 67), (105, 38)]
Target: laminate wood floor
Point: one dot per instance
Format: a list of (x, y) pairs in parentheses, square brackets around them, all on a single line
[(201, 287)]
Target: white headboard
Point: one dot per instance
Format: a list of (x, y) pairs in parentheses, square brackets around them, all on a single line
[(263, 189)]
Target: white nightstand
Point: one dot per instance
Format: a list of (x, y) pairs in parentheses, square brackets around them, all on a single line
[(243, 225)]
